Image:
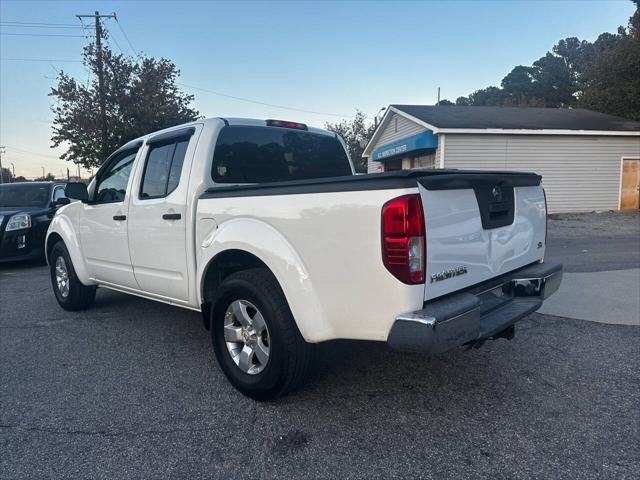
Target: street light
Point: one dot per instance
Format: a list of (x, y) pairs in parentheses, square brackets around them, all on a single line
[(2, 150)]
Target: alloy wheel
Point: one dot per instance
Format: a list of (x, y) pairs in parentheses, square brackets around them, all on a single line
[(62, 277), (247, 337)]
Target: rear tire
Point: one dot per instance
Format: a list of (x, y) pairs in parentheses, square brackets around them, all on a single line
[(255, 337), (70, 293)]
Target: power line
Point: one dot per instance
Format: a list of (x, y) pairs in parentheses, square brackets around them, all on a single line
[(38, 60), (74, 27), (111, 37), (86, 27), (32, 153), (42, 35), (257, 102), (234, 97), (127, 39), (41, 23)]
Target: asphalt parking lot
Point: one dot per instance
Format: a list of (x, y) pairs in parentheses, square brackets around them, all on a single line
[(130, 389)]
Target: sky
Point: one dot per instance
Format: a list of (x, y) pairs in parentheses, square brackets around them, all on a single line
[(328, 57)]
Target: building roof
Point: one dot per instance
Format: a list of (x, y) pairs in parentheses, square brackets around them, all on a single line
[(517, 118)]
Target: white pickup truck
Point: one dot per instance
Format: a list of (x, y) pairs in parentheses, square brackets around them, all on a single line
[(264, 228)]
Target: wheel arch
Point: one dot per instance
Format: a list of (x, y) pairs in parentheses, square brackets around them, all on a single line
[(52, 239), (61, 229), (251, 243), (220, 267)]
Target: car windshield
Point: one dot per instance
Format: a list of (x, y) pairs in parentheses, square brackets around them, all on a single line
[(24, 195)]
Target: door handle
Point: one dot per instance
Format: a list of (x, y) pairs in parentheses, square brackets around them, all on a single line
[(171, 216), (119, 218)]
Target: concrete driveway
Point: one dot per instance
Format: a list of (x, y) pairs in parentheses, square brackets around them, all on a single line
[(601, 255), (608, 297)]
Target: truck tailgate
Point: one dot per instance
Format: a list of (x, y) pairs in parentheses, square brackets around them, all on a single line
[(480, 225)]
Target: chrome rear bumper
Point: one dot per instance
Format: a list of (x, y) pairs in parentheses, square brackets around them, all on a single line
[(479, 313)]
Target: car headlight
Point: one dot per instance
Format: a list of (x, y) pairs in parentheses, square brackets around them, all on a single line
[(18, 222)]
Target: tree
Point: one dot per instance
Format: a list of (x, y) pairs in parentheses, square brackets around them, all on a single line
[(356, 134), (611, 81), (140, 98), (489, 96), (601, 76), (445, 103)]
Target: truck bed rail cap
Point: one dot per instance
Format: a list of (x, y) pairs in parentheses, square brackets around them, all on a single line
[(371, 181)]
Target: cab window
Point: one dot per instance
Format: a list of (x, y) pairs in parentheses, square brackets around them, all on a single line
[(246, 154), (112, 182), (163, 168)]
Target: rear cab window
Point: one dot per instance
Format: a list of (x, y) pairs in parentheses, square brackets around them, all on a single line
[(250, 154)]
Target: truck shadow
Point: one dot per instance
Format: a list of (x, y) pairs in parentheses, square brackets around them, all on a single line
[(365, 372), (369, 376)]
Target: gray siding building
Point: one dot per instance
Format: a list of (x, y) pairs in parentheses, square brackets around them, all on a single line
[(586, 158)]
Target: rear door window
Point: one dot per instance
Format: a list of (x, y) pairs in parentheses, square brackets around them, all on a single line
[(163, 168), (246, 154)]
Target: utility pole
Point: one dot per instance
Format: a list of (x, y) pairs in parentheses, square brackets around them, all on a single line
[(103, 109), (438, 104), (2, 149)]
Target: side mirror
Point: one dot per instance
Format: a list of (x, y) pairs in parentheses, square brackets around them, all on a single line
[(76, 190)]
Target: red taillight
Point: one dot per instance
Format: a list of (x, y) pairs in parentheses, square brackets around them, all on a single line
[(403, 245), (286, 124)]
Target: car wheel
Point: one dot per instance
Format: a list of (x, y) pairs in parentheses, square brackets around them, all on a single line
[(70, 293), (255, 337)]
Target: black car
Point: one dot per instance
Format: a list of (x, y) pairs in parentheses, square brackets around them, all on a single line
[(26, 210)]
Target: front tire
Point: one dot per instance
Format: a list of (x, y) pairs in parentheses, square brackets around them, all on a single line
[(255, 338), (70, 293)]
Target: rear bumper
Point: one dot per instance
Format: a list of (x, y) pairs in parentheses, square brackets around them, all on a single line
[(478, 313)]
